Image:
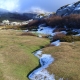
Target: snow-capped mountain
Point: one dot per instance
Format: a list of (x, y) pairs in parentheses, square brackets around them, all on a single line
[(68, 9)]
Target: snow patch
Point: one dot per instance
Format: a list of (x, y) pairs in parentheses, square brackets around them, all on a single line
[(64, 32), (45, 30), (56, 43), (76, 30), (41, 73), (77, 35)]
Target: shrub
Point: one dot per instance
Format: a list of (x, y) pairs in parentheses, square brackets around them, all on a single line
[(58, 36), (71, 33), (54, 20), (70, 38), (27, 34), (71, 21)]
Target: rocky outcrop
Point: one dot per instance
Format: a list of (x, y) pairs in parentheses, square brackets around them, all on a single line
[(73, 8)]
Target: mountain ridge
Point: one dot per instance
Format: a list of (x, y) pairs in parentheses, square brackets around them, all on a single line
[(68, 9), (15, 16)]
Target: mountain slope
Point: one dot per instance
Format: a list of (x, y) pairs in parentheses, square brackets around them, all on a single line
[(68, 9), (3, 11), (15, 16)]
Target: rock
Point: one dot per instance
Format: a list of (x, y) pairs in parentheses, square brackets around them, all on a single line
[(69, 9)]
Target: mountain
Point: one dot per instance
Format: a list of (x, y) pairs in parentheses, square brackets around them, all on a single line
[(68, 9), (15, 16), (3, 11)]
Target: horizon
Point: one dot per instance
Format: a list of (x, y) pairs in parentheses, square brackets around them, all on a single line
[(36, 5)]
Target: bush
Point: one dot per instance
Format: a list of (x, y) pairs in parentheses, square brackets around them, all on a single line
[(58, 36), (54, 21), (70, 38), (71, 21), (71, 33), (27, 34)]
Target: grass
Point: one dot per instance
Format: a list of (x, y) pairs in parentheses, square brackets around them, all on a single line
[(16, 58), (67, 60)]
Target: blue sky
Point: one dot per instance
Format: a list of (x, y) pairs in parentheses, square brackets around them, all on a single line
[(28, 5)]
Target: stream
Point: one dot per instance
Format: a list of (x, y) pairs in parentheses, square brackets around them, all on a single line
[(42, 73), (45, 60)]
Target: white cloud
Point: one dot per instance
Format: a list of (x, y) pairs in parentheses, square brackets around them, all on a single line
[(38, 10), (11, 5)]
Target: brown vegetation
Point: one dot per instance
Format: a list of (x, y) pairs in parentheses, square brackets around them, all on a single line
[(27, 34), (67, 60), (71, 21), (70, 38), (54, 21), (58, 36)]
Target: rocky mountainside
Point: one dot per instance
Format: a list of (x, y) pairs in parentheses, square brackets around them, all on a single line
[(68, 9)]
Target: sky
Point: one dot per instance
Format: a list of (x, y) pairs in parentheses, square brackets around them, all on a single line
[(34, 5)]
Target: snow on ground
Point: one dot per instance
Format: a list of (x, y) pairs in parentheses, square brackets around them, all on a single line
[(48, 30), (56, 43), (38, 54), (76, 30), (46, 60), (77, 35), (41, 73), (64, 32), (45, 30)]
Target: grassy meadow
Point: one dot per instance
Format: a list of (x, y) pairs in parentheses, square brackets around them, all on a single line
[(16, 58), (67, 60)]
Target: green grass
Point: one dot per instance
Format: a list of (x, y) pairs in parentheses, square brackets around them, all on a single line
[(16, 58), (1, 75)]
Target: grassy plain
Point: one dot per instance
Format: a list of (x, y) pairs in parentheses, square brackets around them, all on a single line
[(16, 58)]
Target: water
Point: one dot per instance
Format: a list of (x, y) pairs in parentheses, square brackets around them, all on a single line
[(42, 73)]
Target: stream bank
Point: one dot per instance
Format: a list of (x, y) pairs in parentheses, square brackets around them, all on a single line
[(45, 60)]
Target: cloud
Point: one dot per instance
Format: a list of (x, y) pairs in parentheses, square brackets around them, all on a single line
[(37, 10), (11, 5)]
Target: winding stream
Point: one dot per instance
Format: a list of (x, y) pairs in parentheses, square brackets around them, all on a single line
[(42, 73), (45, 60)]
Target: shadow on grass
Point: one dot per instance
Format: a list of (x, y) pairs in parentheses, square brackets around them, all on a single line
[(34, 70), (41, 47)]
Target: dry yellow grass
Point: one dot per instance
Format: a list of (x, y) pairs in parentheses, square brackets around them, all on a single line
[(67, 60), (16, 58)]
